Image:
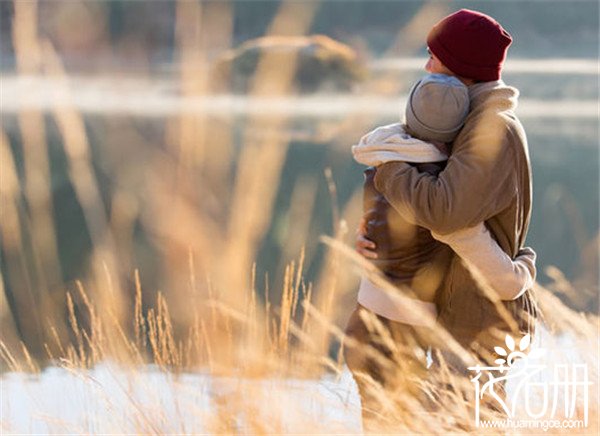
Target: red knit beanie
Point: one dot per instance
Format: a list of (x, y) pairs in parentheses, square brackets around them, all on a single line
[(471, 44)]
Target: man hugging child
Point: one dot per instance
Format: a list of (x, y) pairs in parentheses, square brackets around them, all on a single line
[(410, 257)]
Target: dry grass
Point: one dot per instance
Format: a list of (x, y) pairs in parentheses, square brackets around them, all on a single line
[(210, 220)]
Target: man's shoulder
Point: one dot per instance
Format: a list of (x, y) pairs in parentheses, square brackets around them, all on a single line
[(485, 125), (514, 129), (497, 134)]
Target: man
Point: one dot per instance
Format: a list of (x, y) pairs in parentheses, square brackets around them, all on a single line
[(487, 179)]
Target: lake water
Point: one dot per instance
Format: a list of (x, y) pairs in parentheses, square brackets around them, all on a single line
[(558, 107)]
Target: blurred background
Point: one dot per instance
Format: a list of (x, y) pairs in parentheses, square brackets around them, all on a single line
[(197, 146)]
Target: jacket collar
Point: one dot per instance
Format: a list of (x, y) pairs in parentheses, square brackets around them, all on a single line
[(493, 94)]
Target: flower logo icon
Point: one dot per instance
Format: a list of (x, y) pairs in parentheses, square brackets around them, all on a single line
[(511, 354)]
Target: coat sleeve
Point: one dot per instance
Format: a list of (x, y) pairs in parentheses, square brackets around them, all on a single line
[(479, 181), (509, 278)]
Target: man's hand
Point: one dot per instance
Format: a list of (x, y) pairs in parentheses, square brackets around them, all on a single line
[(364, 246)]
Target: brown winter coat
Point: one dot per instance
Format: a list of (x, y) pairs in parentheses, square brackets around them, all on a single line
[(487, 178)]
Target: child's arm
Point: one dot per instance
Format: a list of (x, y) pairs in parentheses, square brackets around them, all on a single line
[(509, 278)]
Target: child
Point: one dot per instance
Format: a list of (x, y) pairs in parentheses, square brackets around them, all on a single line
[(409, 256)]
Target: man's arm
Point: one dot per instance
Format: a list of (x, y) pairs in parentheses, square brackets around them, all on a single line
[(478, 182)]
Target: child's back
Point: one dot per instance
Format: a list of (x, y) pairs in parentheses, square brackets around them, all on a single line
[(407, 254)]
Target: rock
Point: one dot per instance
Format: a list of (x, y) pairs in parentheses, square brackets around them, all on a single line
[(323, 64)]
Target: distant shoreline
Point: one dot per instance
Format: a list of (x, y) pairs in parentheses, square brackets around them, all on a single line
[(161, 97)]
